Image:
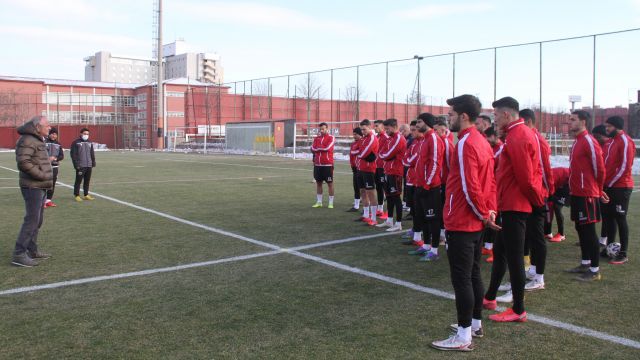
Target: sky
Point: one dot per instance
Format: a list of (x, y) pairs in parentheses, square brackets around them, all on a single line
[(268, 38)]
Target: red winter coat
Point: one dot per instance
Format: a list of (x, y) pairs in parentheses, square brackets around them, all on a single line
[(410, 160), (471, 187), (560, 177), (355, 149), (545, 153), (519, 175), (322, 149), (382, 139), (586, 167), (430, 161), (618, 161), (391, 152), (369, 145)]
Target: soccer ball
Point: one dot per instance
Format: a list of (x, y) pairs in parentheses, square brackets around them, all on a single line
[(613, 249)]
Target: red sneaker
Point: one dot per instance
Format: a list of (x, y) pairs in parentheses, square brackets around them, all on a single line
[(486, 251), (51, 204), (382, 215), (490, 259), (365, 219), (489, 304), (548, 236), (371, 222), (557, 238), (509, 316)]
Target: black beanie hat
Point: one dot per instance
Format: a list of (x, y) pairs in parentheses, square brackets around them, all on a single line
[(616, 121), (53, 131)]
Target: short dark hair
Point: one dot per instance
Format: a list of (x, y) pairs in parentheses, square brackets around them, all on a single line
[(528, 115), (428, 119), (365, 122), (53, 131), (507, 102), (357, 130), (378, 122), (466, 104), (582, 115), (490, 131), (600, 130), (413, 123), (485, 117), (440, 121), (323, 124), (83, 130), (390, 122)]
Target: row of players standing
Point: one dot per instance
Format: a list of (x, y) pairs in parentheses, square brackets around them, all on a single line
[(474, 190)]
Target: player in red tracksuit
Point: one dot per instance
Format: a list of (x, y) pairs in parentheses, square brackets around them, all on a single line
[(322, 149), (469, 207), (353, 153), (519, 181), (382, 137), (559, 199), (391, 152), (586, 180), (599, 132), (443, 131), (489, 235), (427, 188), (535, 241), (366, 163), (618, 184), (409, 161)]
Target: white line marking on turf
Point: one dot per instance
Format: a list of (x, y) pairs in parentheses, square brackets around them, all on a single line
[(277, 249), (185, 266), (135, 273), (9, 187)]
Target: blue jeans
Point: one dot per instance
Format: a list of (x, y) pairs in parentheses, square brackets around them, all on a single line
[(34, 206)]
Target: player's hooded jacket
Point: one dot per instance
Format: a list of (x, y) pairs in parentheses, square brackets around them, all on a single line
[(586, 167), (391, 152), (322, 149), (618, 161)]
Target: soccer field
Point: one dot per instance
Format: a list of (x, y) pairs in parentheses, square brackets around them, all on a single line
[(191, 256)]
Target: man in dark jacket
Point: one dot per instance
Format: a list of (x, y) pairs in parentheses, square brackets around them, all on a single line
[(84, 160), (35, 179), (56, 154)]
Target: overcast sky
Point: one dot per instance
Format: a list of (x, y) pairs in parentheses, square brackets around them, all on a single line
[(268, 38)]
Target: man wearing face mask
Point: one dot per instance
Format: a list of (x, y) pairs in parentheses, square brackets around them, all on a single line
[(56, 154), (84, 160)]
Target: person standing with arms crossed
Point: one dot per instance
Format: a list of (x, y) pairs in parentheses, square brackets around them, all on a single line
[(84, 160)]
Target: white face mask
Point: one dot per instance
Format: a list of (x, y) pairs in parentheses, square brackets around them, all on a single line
[(85, 137)]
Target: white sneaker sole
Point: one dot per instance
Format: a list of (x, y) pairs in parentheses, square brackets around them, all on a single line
[(21, 264)]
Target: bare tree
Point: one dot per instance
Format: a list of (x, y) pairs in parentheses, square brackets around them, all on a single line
[(352, 96), (261, 93)]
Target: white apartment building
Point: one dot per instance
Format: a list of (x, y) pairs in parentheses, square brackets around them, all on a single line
[(178, 63)]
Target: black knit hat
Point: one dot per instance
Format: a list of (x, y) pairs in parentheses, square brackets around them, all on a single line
[(616, 121), (53, 131), (428, 119)]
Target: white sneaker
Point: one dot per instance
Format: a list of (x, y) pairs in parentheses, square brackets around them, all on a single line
[(396, 227), (505, 287), (530, 276), (443, 235), (386, 223), (453, 343), (506, 298), (534, 285)]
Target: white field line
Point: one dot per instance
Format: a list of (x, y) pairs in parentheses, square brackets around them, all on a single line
[(294, 251), (9, 187), (183, 267), (193, 180), (252, 166)]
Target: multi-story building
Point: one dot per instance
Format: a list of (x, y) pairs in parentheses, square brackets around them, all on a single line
[(178, 63)]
